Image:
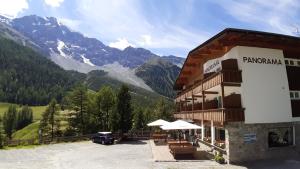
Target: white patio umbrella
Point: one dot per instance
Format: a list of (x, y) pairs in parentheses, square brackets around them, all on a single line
[(158, 122), (180, 125)]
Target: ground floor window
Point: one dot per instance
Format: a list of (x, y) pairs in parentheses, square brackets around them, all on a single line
[(280, 137)]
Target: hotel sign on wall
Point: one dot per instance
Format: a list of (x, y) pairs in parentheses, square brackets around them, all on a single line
[(212, 66), (262, 60), (249, 138)]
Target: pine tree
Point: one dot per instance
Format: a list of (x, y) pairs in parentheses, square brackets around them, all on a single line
[(24, 117), (138, 119), (1, 134), (50, 122), (79, 101), (105, 101), (114, 120), (9, 120), (53, 113), (163, 110), (124, 108)]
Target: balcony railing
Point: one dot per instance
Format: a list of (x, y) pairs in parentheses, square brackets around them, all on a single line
[(224, 76), (217, 115)]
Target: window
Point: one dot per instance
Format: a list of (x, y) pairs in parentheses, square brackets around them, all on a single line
[(296, 95), (291, 62), (280, 137), (286, 62), (291, 95)]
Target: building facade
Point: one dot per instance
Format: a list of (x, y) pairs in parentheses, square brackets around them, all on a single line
[(243, 88)]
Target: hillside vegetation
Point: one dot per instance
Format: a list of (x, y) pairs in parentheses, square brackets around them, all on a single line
[(160, 75), (141, 97), (37, 110), (26, 77)]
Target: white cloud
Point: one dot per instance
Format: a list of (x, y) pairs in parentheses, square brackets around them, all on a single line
[(110, 20), (277, 16), (121, 43), (11, 8), (74, 24), (146, 40), (53, 3)]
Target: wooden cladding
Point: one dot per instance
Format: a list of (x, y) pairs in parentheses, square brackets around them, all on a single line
[(216, 115), (227, 76)]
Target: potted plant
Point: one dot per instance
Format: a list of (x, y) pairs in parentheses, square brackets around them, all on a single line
[(219, 158)]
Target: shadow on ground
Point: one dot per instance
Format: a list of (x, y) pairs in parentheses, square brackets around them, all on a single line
[(199, 155), (134, 142)]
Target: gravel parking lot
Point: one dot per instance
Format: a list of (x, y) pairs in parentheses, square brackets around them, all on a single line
[(84, 155), (87, 155)]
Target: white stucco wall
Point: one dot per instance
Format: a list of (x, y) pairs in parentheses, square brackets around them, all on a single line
[(265, 89)]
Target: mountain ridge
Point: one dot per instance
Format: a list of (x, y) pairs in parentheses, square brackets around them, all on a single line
[(73, 51)]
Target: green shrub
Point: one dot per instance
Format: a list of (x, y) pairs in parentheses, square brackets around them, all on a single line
[(219, 158)]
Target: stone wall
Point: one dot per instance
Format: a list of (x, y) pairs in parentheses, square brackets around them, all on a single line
[(239, 151)]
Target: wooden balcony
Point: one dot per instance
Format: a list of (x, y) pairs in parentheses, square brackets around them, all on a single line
[(225, 77), (221, 115)]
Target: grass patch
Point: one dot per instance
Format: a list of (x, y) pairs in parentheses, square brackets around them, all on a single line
[(31, 131), (28, 132), (20, 147), (37, 110)]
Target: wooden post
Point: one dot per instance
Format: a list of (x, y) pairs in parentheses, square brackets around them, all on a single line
[(192, 104), (202, 130), (202, 120), (186, 105), (212, 135), (180, 104), (222, 100)]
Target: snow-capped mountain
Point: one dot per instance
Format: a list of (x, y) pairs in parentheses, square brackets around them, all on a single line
[(74, 51), (53, 36)]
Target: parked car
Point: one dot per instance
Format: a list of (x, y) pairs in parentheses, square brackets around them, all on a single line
[(103, 138)]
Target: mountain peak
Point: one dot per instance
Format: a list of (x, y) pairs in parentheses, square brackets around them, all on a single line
[(5, 19)]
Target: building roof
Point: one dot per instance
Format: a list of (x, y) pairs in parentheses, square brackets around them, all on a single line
[(222, 42)]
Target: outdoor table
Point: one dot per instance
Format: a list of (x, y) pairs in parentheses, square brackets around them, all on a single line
[(177, 141)]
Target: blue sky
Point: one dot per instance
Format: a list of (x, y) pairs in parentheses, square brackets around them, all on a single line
[(162, 26)]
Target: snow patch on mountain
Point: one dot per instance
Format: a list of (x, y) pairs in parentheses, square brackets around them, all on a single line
[(71, 64), (86, 60), (115, 70), (60, 46), (124, 74)]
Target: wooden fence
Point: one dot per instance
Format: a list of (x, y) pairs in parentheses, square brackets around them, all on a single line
[(132, 135)]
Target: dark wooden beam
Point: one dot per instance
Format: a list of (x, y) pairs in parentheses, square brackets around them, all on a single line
[(230, 84), (197, 96), (186, 72), (211, 92), (191, 64), (190, 99)]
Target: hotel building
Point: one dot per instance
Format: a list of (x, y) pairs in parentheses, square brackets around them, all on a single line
[(243, 88)]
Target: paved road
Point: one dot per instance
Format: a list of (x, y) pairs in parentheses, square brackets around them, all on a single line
[(87, 155)]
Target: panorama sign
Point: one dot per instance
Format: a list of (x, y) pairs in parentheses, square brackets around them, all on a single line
[(261, 60)]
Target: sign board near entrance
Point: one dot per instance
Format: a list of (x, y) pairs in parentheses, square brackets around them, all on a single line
[(249, 138)]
